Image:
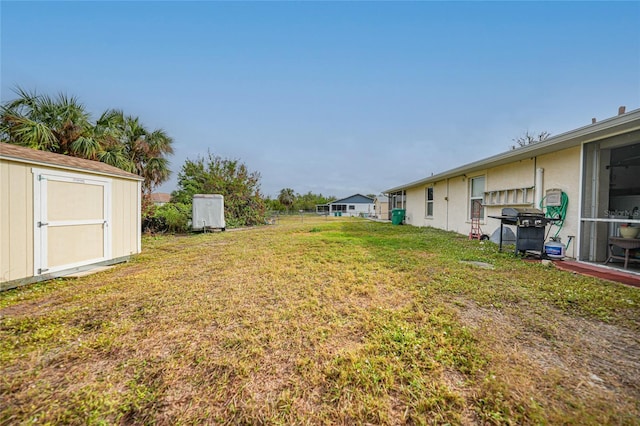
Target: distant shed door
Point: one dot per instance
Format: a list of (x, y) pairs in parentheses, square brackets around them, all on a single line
[(71, 220)]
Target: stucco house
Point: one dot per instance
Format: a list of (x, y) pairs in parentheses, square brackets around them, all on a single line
[(160, 198), (597, 167), (381, 207), (355, 205), (61, 214)]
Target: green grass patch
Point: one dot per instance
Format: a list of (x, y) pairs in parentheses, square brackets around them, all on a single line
[(326, 321)]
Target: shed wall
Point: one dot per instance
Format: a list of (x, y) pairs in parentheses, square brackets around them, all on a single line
[(17, 218), (16, 221), (124, 216)]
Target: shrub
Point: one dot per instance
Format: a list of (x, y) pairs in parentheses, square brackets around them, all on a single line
[(170, 217)]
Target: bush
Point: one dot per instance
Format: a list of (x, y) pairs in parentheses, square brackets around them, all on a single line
[(170, 217)]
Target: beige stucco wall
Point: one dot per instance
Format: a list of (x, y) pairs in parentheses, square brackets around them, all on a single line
[(451, 196), (17, 217), (514, 175), (450, 205), (16, 221), (562, 170)]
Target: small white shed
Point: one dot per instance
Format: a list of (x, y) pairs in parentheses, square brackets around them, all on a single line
[(207, 212), (60, 215)]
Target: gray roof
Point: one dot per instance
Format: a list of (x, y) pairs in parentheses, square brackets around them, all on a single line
[(625, 123), (354, 199), (33, 156)]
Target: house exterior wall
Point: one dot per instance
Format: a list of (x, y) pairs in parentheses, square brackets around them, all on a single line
[(359, 208), (451, 202), (17, 217), (562, 170), (517, 174), (381, 208), (414, 214)]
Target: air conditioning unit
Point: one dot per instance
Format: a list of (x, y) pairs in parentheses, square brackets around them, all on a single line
[(208, 212)]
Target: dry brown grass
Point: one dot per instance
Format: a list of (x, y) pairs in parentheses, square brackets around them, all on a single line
[(330, 321)]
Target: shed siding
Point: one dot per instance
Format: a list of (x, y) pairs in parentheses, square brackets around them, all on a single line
[(16, 221), (124, 217), (17, 218)]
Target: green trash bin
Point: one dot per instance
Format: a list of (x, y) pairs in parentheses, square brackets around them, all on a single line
[(397, 216)]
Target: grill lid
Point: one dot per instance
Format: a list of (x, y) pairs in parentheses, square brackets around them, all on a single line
[(521, 212)]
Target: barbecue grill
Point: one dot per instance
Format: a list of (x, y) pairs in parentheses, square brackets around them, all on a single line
[(530, 227)]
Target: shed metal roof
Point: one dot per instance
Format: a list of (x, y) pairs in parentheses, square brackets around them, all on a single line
[(33, 156), (625, 123)]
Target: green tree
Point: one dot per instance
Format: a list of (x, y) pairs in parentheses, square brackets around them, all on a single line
[(243, 203), (145, 151), (62, 125), (309, 201), (59, 125), (287, 197), (273, 204)]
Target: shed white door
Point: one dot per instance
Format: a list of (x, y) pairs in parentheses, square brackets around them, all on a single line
[(71, 220)]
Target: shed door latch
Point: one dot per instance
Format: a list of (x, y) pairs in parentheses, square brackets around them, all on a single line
[(42, 270), (41, 224)]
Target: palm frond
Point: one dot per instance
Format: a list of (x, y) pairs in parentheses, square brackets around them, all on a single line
[(115, 156), (32, 134), (85, 147)]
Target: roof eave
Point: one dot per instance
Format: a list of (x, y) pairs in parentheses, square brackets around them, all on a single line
[(604, 129), (124, 174)]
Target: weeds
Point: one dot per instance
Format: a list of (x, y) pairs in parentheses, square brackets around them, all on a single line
[(339, 321)]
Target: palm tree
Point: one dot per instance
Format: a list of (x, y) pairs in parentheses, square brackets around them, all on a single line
[(146, 150), (287, 197), (58, 124), (62, 125)]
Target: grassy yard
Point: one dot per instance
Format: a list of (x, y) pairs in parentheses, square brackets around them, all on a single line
[(326, 321)]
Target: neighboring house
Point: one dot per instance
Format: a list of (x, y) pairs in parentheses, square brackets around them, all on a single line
[(355, 205), (60, 215), (160, 198), (596, 166), (381, 207)]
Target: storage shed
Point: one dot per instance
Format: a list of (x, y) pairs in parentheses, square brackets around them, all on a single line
[(61, 215)]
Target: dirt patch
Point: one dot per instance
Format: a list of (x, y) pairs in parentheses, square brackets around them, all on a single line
[(590, 357)]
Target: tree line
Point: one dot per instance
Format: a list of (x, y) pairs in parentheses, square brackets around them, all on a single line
[(290, 201), (62, 125)]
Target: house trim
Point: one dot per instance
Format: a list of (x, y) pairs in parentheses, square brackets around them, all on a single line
[(608, 128)]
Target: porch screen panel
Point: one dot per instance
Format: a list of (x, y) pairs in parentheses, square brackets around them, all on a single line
[(596, 214)]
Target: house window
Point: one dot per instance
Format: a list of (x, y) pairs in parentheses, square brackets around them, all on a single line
[(429, 203), (476, 197), (352, 207), (339, 207)]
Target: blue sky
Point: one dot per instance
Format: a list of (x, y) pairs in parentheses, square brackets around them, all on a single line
[(332, 97)]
